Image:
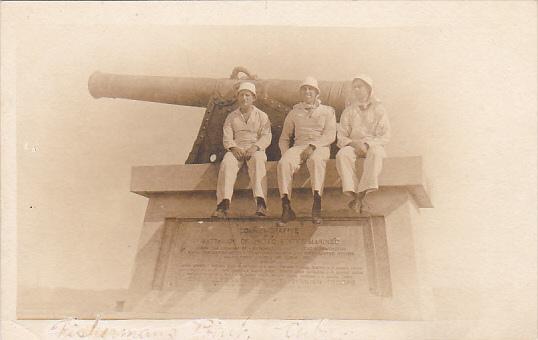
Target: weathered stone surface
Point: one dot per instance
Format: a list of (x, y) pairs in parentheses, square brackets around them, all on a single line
[(253, 269), (190, 265)]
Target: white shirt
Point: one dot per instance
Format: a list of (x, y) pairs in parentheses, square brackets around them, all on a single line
[(315, 126), (369, 125), (238, 132)]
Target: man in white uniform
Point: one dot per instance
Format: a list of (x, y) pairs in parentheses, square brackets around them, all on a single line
[(313, 127), (363, 132), (247, 133)]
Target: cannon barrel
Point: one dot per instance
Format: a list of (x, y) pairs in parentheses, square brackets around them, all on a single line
[(169, 90), (198, 91), (275, 97)]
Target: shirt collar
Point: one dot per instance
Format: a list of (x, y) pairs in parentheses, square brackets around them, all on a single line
[(362, 106), (240, 114), (309, 108)]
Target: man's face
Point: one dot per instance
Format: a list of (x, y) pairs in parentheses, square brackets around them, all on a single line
[(308, 94), (245, 99), (361, 90)]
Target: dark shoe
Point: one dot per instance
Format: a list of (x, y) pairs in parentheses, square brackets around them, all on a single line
[(355, 205), (365, 209), (261, 208), (222, 209), (219, 214), (287, 212), (316, 209)]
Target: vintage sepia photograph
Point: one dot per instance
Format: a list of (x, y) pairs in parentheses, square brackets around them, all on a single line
[(269, 170)]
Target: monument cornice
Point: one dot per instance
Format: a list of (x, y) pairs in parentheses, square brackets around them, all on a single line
[(398, 172)]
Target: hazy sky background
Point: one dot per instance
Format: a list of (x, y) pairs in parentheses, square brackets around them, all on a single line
[(459, 86)]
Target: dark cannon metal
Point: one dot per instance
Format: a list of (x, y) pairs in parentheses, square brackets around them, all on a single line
[(275, 97)]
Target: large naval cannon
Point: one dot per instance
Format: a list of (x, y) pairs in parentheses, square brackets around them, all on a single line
[(190, 266), (275, 97)]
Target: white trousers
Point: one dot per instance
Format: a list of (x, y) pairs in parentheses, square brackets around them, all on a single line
[(291, 162), (228, 174), (347, 169)]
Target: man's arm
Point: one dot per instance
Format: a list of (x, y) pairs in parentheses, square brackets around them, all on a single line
[(265, 136), (228, 133), (228, 139), (344, 129), (382, 130), (329, 131), (287, 132)]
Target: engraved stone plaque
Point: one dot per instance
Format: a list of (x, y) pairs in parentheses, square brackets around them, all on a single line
[(267, 258), (250, 268)]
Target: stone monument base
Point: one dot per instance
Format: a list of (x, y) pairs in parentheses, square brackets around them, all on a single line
[(352, 266), (250, 268)]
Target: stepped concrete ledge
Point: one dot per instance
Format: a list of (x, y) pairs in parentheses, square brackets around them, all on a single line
[(398, 172)]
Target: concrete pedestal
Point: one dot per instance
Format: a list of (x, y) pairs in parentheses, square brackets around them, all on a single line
[(349, 267)]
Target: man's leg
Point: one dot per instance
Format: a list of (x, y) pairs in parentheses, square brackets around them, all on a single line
[(346, 160), (316, 164), (225, 182), (288, 164), (258, 180), (373, 164), (345, 165)]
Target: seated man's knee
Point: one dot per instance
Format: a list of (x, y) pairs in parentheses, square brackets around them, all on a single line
[(228, 159), (259, 156), (320, 155), (316, 159), (344, 152), (258, 159), (286, 159), (283, 163), (376, 151)]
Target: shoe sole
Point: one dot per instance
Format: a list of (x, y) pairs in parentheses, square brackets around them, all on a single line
[(224, 215), (316, 217), (290, 217)]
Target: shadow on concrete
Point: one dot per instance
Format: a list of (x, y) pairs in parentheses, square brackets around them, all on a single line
[(200, 263)]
